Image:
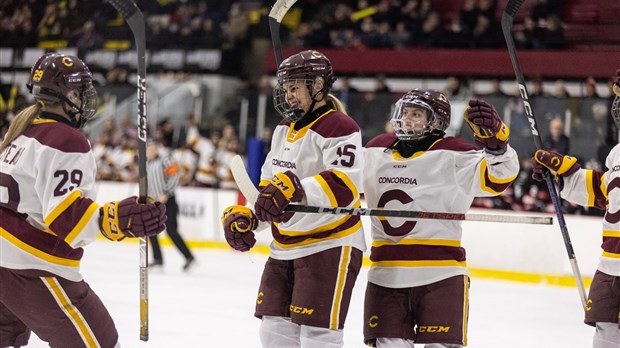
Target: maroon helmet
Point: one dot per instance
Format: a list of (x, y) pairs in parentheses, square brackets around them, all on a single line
[(433, 103), (306, 66), (54, 76)]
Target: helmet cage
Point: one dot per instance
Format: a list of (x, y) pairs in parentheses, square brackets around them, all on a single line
[(406, 129), (292, 113)]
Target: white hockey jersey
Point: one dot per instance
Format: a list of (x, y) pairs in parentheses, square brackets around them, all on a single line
[(47, 192), (326, 155), (444, 178), (593, 188)]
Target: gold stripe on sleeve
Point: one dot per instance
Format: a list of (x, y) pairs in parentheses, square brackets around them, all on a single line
[(590, 188), (62, 206), (328, 191), (82, 223)]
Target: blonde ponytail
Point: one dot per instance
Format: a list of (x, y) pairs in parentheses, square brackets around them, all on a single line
[(19, 124), (335, 103)]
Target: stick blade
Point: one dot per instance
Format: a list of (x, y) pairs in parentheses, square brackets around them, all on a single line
[(245, 184)]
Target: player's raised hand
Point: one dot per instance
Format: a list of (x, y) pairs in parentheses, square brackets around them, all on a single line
[(239, 222), (489, 131), (283, 189), (128, 218), (558, 164)]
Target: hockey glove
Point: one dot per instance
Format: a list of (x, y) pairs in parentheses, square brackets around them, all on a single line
[(276, 196), (490, 132), (239, 222), (559, 165), (128, 218)]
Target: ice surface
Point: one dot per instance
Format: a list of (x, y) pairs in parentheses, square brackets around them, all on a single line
[(212, 305)]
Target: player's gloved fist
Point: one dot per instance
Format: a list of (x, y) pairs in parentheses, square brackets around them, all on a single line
[(616, 86), (490, 132), (128, 218), (557, 164), (239, 222), (276, 196)]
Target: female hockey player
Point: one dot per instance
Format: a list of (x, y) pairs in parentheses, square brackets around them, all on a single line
[(417, 289), (316, 159), (595, 188), (47, 213)]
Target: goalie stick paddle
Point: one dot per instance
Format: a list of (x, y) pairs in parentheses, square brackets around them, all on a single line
[(279, 9), (250, 192), (512, 7), (134, 18)]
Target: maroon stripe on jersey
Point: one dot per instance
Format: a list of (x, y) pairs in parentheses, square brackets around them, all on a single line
[(345, 125), (600, 201), (611, 244), (66, 221), (416, 252), (296, 239), (47, 243), (383, 141), (59, 136), (454, 144), (341, 191), (497, 187)]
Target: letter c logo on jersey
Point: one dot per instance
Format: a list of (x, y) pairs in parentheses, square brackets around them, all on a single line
[(259, 298), (373, 321)]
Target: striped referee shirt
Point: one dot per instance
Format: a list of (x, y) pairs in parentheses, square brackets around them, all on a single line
[(163, 176)]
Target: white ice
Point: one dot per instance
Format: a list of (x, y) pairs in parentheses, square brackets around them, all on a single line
[(212, 305)]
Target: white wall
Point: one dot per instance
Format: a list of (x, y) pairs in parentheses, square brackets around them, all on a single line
[(537, 249)]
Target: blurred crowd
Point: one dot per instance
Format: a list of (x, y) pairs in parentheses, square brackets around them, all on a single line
[(238, 27)]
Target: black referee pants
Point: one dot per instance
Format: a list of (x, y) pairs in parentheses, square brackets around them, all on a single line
[(172, 210)]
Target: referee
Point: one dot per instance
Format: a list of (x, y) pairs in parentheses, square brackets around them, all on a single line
[(163, 178)]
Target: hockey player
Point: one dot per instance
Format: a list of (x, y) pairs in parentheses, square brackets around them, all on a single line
[(595, 188), (315, 158), (48, 213), (417, 289)]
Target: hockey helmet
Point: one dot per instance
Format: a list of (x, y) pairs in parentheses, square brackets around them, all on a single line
[(433, 103), (52, 79), (306, 66)]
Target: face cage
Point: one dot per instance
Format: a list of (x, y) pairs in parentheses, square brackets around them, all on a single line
[(292, 114), (615, 111), (89, 103), (404, 129)]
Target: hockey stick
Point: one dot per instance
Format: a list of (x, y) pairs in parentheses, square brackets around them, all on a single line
[(251, 194), (512, 7), (134, 18), (279, 9)]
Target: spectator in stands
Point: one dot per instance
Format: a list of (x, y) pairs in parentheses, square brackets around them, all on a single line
[(456, 89), (557, 139), (537, 89), (553, 36), (531, 36), (590, 89), (86, 38), (496, 89), (560, 90), (432, 32)]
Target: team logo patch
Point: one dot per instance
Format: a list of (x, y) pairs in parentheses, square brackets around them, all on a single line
[(68, 62)]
